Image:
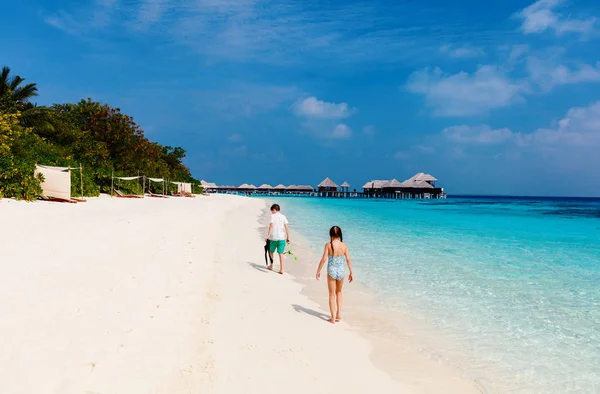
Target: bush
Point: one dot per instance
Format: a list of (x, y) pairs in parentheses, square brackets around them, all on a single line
[(16, 173)]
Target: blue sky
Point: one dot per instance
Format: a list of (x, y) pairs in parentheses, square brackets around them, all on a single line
[(491, 98)]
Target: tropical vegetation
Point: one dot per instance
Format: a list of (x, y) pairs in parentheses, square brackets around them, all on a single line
[(99, 138)]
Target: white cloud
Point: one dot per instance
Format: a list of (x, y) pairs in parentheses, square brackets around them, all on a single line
[(313, 108), (482, 134), (341, 131), (465, 51), (151, 11), (579, 128), (262, 31), (97, 15), (464, 94), (235, 138), (542, 16), (244, 99), (517, 53), (289, 31), (547, 73), (426, 149)]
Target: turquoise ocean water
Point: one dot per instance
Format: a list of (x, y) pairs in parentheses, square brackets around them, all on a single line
[(514, 281)]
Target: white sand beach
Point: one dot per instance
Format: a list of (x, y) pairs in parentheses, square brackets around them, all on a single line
[(170, 296)]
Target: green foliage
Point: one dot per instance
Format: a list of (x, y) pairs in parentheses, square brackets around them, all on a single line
[(100, 138), (16, 171)]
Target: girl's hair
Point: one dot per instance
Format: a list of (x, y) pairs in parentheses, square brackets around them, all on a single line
[(335, 232)]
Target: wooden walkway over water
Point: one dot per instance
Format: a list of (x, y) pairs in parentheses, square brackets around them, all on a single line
[(393, 196), (420, 186)]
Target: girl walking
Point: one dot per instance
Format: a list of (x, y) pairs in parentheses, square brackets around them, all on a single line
[(336, 255)]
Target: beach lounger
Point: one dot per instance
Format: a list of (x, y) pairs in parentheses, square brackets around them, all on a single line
[(55, 199), (157, 195), (121, 195)]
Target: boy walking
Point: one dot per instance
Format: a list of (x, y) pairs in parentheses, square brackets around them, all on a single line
[(278, 235)]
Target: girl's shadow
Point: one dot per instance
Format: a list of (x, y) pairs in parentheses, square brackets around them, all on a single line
[(301, 309)]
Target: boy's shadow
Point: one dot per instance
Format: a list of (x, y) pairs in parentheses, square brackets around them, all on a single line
[(258, 267), (301, 309)]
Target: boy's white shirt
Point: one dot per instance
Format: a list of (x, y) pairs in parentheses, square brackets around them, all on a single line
[(278, 222)]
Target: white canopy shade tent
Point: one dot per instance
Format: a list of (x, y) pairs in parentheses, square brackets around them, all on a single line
[(157, 180), (124, 178), (57, 181), (183, 187)]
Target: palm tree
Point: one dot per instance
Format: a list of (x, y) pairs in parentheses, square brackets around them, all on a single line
[(12, 86)]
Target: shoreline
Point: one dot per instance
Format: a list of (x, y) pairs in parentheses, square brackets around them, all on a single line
[(172, 297), (380, 325)]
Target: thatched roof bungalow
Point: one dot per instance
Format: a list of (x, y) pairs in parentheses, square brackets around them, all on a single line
[(209, 186), (327, 186), (246, 187), (279, 188), (392, 185), (374, 186), (265, 188), (420, 178), (306, 188)]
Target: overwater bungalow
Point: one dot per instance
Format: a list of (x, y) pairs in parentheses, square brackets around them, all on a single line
[(374, 188), (327, 188), (246, 188), (345, 187), (306, 189), (264, 188), (420, 185), (209, 187), (279, 188)]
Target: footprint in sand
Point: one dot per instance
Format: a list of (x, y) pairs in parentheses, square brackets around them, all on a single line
[(213, 295)]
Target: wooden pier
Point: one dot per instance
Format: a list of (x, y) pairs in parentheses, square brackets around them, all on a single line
[(420, 186)]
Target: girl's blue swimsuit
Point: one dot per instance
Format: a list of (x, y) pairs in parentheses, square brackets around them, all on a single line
[(335, 266)]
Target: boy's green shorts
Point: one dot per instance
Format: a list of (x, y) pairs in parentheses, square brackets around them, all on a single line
[(277, 245)]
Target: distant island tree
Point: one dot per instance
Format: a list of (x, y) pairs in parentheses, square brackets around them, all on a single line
[(95, 135)]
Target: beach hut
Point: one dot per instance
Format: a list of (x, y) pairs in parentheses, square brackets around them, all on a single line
[(374, 188), (422, 177), (345, 187), (264, 188), (327, 186), (227, 189), (291, 189), (209, 187), (247, 188), (391, 188), (305, 189), (279, 188), (421, 185)]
